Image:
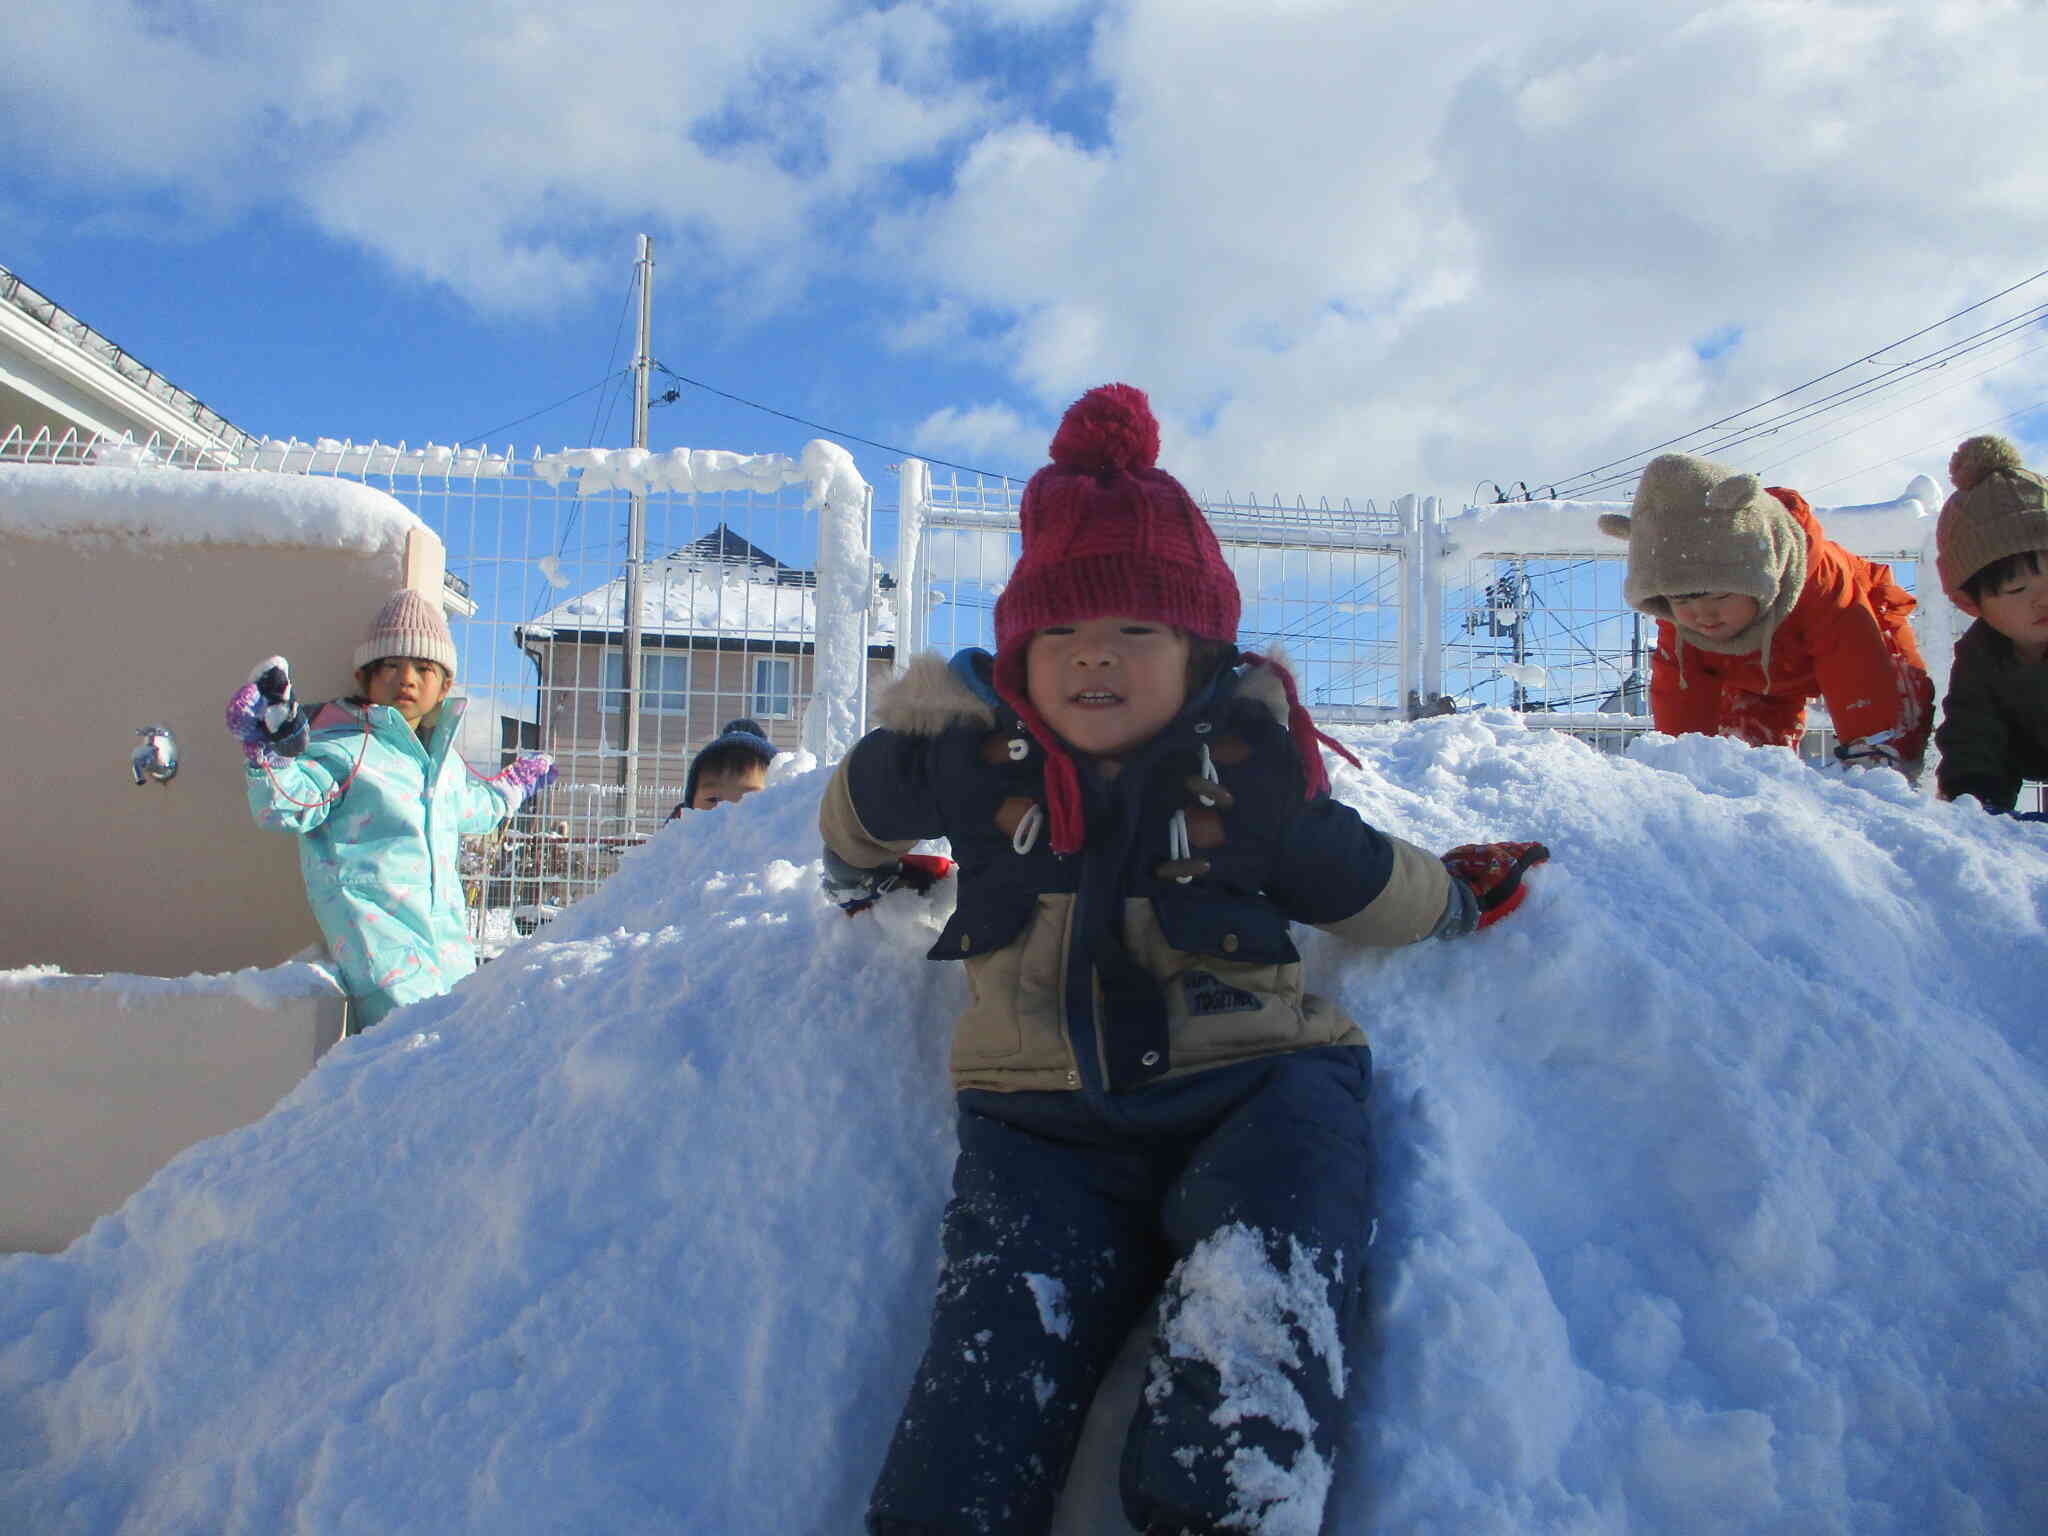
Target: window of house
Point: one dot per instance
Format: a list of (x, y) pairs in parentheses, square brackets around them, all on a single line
[(664, 682), (774, 688)]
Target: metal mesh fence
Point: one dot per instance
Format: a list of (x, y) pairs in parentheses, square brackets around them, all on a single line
[(1323, 584), (537, 568), (727, 606), (538, 576), (1550, 637)]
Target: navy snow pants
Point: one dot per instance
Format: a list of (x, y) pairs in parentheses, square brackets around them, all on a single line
[(1240, 1199)]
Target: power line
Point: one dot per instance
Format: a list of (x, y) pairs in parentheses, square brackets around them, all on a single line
[(1564, 483), (1940, 442), (853, 437), (522, 421), (1906, 406), (1927, 362), (604, 409)]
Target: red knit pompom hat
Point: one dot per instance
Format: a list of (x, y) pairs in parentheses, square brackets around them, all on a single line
[(1106, 532)]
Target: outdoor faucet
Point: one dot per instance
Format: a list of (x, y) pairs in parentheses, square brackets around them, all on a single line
[(157, 757)]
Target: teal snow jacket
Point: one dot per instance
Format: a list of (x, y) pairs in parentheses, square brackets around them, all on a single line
[(380, 857)]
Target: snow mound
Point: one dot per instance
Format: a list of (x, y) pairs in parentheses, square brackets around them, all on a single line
[(1713, 1197)]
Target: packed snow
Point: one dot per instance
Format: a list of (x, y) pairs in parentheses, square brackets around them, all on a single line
[(1712, 1198), (265, 986), (107, 502)]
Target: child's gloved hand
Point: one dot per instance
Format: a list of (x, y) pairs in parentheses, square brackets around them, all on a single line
[(854, 890), (1869, 752), (1879, 751), (1494, 872), (529, 774), (264, 716)]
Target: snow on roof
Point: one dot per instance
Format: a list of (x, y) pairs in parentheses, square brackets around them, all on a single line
[(718, 585), (173, 506)]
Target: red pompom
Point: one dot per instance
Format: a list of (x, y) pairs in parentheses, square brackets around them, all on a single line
[(1110, 427)]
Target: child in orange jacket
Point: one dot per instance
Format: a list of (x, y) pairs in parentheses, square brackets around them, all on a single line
[(1759, 611)]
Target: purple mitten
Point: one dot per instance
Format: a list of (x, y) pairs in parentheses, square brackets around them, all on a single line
[(264, 716), (529, 775), (245, 724)]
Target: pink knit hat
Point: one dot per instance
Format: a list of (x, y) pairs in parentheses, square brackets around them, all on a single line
[(1107, 532), (411, 624)]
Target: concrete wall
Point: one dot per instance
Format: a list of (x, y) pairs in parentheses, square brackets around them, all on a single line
[(109, 1077), (144, 597), (106, 634)]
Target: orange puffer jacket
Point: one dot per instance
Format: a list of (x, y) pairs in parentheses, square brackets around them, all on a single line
[(1846, 641)]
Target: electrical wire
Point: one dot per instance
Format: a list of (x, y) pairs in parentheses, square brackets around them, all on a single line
[(1940, 442), (1812, 442), (852, 437), (1928, 362), (522, 421), (1818, 379), (1565, 484), (612, 358)]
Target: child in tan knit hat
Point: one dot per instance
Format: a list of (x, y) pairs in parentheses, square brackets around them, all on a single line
[(1992, 550), (1758, 611)]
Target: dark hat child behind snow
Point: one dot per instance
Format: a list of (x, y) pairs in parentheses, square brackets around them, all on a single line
[(741, 746)]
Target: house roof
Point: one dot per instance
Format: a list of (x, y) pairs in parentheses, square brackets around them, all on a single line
[(58, 373), (719, 586)]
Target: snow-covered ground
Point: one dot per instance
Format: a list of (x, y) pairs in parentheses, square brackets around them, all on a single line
[(1715, 1197)]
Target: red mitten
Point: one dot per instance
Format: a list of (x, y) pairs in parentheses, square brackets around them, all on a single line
[(854, 890), (919, 872), (1494, 872)]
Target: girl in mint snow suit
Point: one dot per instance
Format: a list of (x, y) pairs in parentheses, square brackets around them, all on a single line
[(380, 802)]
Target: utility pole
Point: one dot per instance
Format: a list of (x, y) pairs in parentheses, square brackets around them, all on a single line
[(636, 548)]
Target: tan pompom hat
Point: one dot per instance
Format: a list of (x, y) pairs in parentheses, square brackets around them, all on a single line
[(2000, 508)]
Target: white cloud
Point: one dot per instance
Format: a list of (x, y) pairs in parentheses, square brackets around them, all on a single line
[(989, 432), (1376, 250), (496, 150), (1350, 250)]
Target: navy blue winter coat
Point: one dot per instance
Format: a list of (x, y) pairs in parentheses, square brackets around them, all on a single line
[(1097, 971)]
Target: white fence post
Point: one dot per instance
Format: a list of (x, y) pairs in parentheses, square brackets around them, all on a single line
[(845, 589), (1431, 567), (913, 602), (1408, 684)]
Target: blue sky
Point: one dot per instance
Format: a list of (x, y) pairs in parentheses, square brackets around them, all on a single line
[(1351, 251)]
